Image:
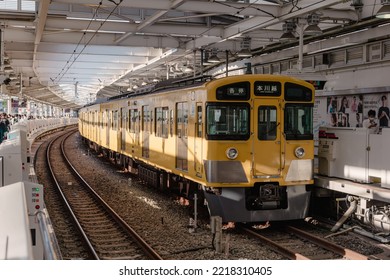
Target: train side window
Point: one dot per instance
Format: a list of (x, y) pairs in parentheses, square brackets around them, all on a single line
[(108, 121), (161, 123), (115, 120), (267, 123), (135, 121), (158, 126), (145, 118), (130, 121), (165, 113), (171, 118)]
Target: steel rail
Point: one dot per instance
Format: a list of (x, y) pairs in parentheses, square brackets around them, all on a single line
[(139, 240), (347, 253), (74, 218)]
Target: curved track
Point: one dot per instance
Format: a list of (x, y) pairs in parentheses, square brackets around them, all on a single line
[(104, 233)]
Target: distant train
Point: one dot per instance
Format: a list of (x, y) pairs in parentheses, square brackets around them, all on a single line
[(244, 142)]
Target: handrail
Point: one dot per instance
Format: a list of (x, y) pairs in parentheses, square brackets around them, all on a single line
[(51, 249)]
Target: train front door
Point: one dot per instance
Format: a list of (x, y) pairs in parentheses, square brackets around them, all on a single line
[(182, 136), (266, 138)]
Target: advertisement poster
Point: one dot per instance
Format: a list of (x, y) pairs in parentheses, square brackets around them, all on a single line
[(351, 110)]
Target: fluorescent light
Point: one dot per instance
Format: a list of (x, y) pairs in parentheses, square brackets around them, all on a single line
[(384, 11)]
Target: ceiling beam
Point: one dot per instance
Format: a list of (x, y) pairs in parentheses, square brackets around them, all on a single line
[(150, 20), (41, 21), (230, 8), (283, 13)]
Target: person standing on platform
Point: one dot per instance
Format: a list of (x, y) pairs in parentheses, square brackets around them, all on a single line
[(3, 126), (383, 113)]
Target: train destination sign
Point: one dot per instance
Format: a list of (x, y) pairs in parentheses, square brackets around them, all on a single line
[(236, 91), (268, 88)]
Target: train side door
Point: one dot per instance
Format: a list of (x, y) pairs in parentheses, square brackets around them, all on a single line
[(182, 136), (266, 139), (145, 131), (198, 139)]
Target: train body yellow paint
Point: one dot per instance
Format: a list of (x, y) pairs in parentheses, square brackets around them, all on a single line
[(245, 142)]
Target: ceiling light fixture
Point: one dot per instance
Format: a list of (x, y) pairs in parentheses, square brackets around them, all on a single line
[(245, 48), (206, 58), (214, 58), (313, 29), (384, 11), (288, 29)]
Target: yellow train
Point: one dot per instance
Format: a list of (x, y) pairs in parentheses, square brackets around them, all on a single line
[(245, 142)]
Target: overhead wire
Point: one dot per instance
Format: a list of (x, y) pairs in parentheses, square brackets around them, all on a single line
[(73, 57)]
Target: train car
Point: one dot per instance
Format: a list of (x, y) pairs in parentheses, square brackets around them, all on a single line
[(354, 178), (245, 142)]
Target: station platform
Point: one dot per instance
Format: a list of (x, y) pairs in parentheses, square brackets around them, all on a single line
[(25, 226)]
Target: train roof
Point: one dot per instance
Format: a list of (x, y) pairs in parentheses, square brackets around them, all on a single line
[(166, 85)]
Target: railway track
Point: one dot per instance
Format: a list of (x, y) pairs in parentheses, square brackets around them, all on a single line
[(297, 244), (102, 233)]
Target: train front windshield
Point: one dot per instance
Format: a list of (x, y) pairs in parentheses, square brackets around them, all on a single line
[(228, 121), (298, 121)]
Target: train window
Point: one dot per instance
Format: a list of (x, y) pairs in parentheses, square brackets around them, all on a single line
[(298, 121), (236, 91), (227, 121), (108, 120), (158, 126), (294, 92), (165, 122), (182, 119), (267, 123), (161, 123), (265, 88), (133, 123), (145, 118), (171, 117), (115, 120)]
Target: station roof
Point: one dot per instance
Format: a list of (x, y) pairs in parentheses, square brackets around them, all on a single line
[(69, 52)]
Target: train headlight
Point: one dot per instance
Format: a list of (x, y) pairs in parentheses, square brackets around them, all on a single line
[(299, 152), (232, 153)]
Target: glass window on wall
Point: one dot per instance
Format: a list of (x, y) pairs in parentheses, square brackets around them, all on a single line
[(18, 5)]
